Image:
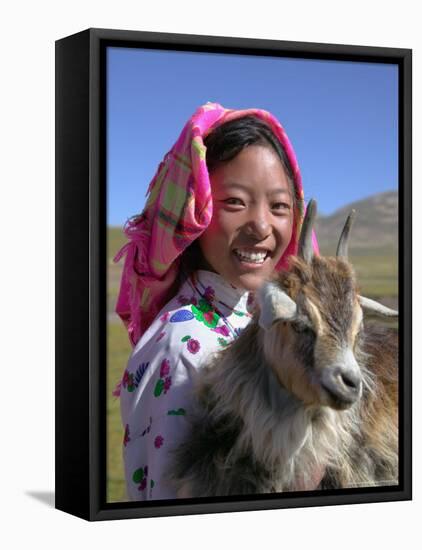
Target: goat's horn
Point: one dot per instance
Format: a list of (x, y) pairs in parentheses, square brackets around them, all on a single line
[(343, 243), (274, 304), (305, 250), (376, 309)]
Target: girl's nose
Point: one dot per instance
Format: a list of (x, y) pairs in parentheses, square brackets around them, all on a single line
[(259, 227)]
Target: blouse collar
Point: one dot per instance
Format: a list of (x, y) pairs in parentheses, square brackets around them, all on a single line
[(217, 290)]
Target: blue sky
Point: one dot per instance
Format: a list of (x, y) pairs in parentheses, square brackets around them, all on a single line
[(341, 117)]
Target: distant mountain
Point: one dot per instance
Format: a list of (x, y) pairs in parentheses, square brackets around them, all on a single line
[(375, 229)]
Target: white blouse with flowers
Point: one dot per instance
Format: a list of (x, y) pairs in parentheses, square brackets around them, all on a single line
[(205, 315)]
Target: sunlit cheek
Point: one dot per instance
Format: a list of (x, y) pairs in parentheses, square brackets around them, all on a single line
[(210, 240), (210, 231), (220, 227)]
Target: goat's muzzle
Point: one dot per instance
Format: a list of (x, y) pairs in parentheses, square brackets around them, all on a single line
[(342, 383)]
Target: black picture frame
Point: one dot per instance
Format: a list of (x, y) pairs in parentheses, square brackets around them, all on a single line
[(81, 275)]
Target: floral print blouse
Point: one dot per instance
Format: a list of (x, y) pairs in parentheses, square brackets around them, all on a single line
[(155, 392)]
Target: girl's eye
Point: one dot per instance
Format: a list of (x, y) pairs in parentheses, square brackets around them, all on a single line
[(234, 201), (281, 206), (278, 206)]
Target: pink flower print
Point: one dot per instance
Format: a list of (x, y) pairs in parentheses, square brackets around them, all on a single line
[(193, 345), (209, 316), (165, 368), (165, 317), (126, 438), (167, 384), (158, 441), (223, 330), (160, 336), (194, 301), (163, 384)]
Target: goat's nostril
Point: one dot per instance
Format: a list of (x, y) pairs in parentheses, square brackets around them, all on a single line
[(350, 380), (342, 385)]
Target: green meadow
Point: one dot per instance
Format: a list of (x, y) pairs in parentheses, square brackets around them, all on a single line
[(377, 275)]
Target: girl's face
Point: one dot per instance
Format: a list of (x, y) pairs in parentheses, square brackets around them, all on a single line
[(252, 219)]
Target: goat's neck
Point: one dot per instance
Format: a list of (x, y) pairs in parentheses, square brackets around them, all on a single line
[(282, 433)]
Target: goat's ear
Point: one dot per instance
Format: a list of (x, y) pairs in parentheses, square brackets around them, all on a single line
[(274, 304), (372, 308)]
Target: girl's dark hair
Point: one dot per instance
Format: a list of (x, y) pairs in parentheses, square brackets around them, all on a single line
[(223, 144), (227, 140)]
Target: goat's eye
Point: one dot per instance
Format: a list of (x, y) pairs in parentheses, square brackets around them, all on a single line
[(301, 327)]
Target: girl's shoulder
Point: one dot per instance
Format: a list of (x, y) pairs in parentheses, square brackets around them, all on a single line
[(173, 349), (185, 336), (187, 324)]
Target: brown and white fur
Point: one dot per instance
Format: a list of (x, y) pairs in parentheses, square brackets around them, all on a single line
[(305, 398)]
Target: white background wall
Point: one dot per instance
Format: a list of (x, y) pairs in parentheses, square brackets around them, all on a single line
[(29, 30)]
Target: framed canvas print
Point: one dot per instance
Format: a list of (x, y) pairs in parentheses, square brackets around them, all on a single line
[(233, 274)]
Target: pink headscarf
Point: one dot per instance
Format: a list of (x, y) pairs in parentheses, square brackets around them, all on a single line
[(178, 210)]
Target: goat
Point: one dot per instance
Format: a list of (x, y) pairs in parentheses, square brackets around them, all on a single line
[(306, 397)]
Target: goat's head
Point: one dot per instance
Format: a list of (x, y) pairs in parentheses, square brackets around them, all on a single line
[(313, 319)]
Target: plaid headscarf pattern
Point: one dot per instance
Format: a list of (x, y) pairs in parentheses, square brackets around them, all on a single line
[(177, 211)]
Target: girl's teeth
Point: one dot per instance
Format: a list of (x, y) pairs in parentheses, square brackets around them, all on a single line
[(254, 258)]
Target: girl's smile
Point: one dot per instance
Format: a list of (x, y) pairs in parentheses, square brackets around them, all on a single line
[(252, 219)]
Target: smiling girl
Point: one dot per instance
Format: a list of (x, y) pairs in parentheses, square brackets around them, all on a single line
[(223, 214)]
